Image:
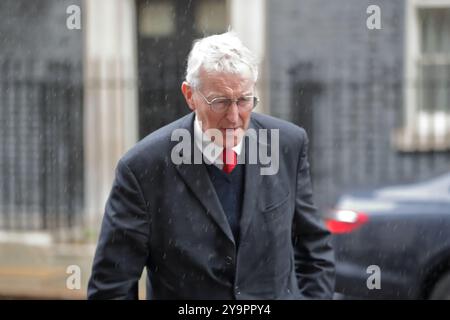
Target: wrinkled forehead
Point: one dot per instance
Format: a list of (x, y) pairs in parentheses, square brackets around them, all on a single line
[(226, 83)]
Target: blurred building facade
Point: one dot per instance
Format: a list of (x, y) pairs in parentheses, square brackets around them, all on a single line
[(110, 83), (376, 103), (73, 101), (41, 92)]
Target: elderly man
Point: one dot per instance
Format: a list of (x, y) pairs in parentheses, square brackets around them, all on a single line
[(218, 228)]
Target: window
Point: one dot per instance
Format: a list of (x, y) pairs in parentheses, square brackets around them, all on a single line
[(157, 19), (427, 99), (211, 16)]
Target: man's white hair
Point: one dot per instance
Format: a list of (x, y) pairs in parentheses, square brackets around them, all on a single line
[(221, 53)]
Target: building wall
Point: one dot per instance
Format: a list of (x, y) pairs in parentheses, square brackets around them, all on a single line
[(36, 30), (344, 84)]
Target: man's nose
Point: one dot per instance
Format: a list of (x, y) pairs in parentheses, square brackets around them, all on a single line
[(233, 112)]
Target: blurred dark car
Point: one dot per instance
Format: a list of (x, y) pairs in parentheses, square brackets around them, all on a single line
[(402, 230)]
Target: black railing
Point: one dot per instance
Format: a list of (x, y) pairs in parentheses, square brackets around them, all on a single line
[(41, 145)]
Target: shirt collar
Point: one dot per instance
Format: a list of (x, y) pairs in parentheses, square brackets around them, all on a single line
[(202, 141)]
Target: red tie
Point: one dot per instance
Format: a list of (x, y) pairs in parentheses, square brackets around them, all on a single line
[(229, 159)]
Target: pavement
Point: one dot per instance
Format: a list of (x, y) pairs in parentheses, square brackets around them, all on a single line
[(41, 270)]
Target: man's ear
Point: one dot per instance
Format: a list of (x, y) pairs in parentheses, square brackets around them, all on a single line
[(187, 91)]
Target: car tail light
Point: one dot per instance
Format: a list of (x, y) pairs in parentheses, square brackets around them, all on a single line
[(345, 221)]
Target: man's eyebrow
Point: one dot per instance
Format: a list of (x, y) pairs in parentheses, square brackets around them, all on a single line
[(214, 95)]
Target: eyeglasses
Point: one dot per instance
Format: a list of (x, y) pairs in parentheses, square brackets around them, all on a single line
[(220, 105)]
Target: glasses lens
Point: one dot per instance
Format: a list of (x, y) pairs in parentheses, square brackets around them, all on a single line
[(244, 104), (255, 102), (247, 103), (220, 105)]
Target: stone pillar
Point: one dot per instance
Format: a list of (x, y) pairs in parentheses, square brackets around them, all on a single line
[(248, 19), (110, 96)]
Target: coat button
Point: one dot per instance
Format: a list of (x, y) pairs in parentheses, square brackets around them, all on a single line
[(228, 260)]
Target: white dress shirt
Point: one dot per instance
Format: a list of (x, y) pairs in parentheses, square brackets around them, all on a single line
[(211, 151)]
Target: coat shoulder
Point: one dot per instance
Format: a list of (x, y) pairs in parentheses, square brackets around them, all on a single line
[(156, 146), (289, 131)]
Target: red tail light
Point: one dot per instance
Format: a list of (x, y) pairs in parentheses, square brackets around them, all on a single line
[(345, 221)]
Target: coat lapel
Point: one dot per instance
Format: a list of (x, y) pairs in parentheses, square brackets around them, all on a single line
[(253, 180), (197, 179)]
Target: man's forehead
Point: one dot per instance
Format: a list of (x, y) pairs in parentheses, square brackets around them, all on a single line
[(221, 80)]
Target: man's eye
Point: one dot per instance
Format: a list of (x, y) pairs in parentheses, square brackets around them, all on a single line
[(220, 101), (245, 100)]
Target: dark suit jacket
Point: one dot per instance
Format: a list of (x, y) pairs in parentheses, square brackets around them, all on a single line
[(168, 218)]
